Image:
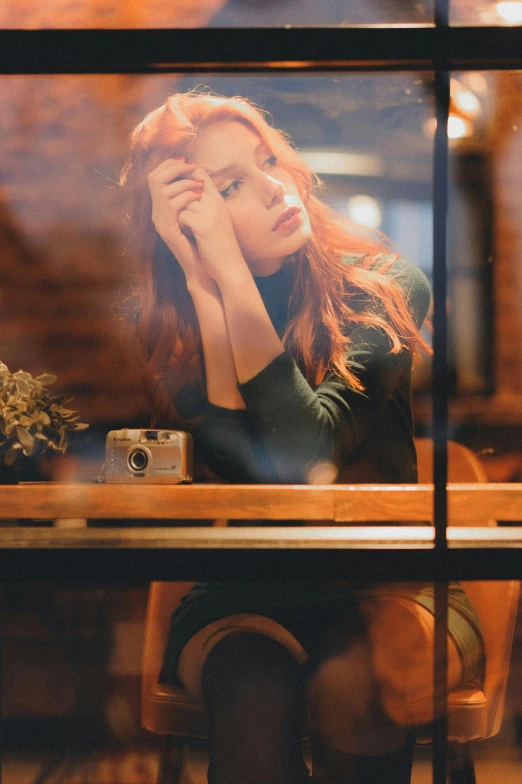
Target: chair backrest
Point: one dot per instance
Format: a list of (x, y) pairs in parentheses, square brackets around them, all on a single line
[(495, 601)]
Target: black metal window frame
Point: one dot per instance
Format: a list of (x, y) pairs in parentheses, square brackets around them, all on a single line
[(439, 48)]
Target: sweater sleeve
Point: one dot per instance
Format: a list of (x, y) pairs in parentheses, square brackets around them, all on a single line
[(224, 439), (288, 427)]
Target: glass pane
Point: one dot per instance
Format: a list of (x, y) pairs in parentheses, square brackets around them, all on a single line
[(487, 14), (484, 273), (470, 231), (486, 268), (68, 264), (98, 14), (72, 676)]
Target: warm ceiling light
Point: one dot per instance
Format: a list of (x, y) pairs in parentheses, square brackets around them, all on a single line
[(463, 99), (331, 160), (458, 127), (510, 12), (467, 102), (365, 210)]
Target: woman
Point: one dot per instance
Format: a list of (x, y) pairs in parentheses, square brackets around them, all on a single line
[(282, 338)]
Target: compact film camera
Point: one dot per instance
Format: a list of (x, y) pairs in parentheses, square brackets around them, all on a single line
[(148, 456)]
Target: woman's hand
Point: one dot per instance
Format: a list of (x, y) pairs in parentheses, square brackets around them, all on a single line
[(173, 187), (209, 221), (191, 216)]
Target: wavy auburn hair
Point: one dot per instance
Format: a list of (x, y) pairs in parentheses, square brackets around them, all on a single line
[(320, 315)]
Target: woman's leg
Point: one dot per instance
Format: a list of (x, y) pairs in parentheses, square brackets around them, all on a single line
[(353, 741), (252, 687), (334, 767)]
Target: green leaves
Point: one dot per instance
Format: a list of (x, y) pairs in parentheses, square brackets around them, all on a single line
[(11, 454), (32, 419), (25, 438), (22, 387), (46, 378)]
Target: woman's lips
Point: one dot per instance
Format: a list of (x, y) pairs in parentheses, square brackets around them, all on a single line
[(289, 219)]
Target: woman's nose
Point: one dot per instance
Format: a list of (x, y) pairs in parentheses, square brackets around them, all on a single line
[(274, 190)]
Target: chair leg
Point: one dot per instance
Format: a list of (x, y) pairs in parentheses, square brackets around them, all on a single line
[(170, 760), (461, 768)]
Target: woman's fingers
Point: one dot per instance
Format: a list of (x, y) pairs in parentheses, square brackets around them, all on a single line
[(184, 199), (172, 189), (187, 219), (169, 170), (167, 210), (180, 186)]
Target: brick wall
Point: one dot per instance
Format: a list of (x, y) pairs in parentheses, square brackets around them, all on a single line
[(65, 269)]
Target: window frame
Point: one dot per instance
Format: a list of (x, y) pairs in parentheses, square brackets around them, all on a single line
[(439, 48)]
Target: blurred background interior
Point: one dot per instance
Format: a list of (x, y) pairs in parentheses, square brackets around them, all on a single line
[(71, 667)]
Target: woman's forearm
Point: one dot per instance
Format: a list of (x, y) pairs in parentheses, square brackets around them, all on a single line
[(220, 370), (253, 339)]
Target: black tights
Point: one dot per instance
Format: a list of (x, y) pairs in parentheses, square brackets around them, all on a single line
[(255, 695), (253, 690)]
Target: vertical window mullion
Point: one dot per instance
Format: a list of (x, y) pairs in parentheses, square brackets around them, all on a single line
[(440, 395)]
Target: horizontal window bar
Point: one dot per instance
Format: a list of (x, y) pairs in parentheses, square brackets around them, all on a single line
[(164, 559), (298, 48)]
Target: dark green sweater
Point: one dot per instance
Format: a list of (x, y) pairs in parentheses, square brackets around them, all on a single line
[(287, 426)]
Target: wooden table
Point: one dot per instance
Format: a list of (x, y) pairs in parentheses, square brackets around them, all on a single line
[(336, 503), (335, 533)]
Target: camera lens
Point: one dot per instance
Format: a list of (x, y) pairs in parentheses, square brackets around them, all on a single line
[(137, 460)]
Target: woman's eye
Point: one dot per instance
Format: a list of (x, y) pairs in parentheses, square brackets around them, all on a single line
[(232, 188), (272, 161)]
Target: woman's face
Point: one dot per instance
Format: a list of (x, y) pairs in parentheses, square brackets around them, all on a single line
[(269, 218)]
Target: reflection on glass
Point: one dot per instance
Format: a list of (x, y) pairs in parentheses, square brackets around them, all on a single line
[(98, 14), (67, 260), (510, 12), (487, 14), (67, 263)]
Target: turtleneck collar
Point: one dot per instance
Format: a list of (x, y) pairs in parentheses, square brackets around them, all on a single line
[(285, 274), (275, 292)]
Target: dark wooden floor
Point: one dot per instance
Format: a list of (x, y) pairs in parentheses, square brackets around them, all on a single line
[(496, 760)]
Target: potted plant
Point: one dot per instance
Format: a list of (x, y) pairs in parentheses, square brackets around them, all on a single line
[(32, 420)]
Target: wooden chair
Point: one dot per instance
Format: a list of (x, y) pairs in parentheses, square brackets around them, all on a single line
[(473, 714)]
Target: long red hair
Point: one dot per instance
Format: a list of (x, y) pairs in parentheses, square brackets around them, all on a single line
[(317, 335)]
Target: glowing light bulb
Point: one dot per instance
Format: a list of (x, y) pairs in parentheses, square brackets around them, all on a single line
[(510, 12), (458, 127), (467, 102), (365, 210), (464, 99)]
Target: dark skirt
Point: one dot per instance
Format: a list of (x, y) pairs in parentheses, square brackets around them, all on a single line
[(309, 609)]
